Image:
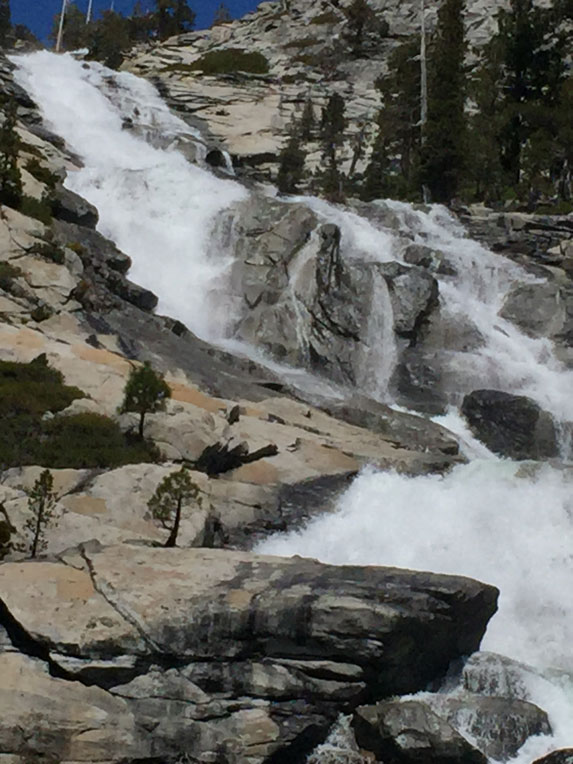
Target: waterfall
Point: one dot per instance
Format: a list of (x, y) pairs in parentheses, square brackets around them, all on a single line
[(505, 523)]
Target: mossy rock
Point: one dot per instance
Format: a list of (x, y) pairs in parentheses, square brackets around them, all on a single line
[(229, 61)]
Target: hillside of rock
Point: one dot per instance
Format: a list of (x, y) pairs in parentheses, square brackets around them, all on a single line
[(308, 54)]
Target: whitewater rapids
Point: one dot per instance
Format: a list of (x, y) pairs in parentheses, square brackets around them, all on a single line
[(504, 523)]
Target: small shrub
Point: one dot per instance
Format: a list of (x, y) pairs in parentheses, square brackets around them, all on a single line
[(41, 173), (167, 501), (33, 388), (231, 60), (50, 250), (8, 273), (76, 247), (40, 209), (88, 440), (328, 17), (41, 313), (307, 42), (145, 392)]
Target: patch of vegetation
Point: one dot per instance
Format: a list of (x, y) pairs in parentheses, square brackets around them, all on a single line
[(30, 393), (231, 60), (328, 17), (50, 250), (561, 207), (40, 209), (41, 173), (306, 42), (76, 247), (41, 313), (90, 440), (8, 273)]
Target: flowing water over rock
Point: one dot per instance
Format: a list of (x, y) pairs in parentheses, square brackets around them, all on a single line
[(506, 523)]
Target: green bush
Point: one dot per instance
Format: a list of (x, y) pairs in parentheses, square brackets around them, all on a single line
[(41, 209), (231, 60), (328, 17), (8, 273), (33, 388), (28, 391), (50, 251), (41, 173), (88, 441)]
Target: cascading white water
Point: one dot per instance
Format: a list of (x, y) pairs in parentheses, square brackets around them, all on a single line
[(153, 203), (503, 523)]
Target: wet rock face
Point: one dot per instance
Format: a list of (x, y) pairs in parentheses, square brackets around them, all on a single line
[(309, 301), (511, 425), (405, 732), (563, 756), (216, 651)]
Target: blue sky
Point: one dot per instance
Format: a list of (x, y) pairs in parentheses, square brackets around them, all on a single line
[(38, 14)]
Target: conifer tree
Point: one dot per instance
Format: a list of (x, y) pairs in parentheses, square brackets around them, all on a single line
[(291, 166), (173, 17), (11, 191), (534, 68), (145, 392), (75, 33), (222, 15), (110, 38), (41, 503), (398, 134), (332, 126), (445, 144), (167, 502), (359, 17), (307, 121), (5, 22)]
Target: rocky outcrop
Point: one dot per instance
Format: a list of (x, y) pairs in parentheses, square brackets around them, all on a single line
[(511, 425), (204, 652), (406, 732), (563, 756), (306, 297), (309, 52)]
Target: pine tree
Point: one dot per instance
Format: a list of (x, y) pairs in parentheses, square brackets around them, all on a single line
[(307, 121), (445, 145), (167, 502), (332, 126), (11, 191), (145, 392), (291, 166), (41, 503), (534, 68), (173, 17), (376, 181), (75, 33), (393, 168), (222, 15), (5, 23), (359, 18), (110, 38)]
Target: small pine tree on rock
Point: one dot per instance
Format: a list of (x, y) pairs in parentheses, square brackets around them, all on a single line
[(11, 191), (291, 167), (5, 23), (41, 503), (167, 502), (222, 15), (145, 392), (307, 121)]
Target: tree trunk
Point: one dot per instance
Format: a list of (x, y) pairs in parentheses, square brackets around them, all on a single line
[(37, 530), (141, 420), (172, 540)]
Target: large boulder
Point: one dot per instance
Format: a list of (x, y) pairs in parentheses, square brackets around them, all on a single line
[(498, 726), (511, 425), (562, 756), (222, 651), (409, 732)]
